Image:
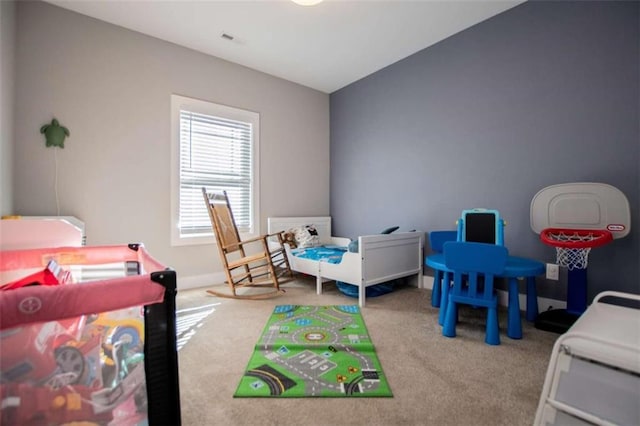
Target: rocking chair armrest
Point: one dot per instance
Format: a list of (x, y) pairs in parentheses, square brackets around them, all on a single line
[(280, 241), (276, 234)]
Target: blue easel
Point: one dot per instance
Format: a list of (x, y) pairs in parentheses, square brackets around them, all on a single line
[(481, 226)]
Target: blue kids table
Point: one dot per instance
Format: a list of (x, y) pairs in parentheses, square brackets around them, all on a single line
[(517, 267)]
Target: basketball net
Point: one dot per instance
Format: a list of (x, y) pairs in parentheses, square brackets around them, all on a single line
[(572, 258), (573, 246)]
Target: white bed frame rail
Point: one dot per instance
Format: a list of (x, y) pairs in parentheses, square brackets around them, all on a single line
[(593, 375), (380, 258)]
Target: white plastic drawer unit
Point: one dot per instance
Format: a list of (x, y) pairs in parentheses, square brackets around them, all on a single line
[(594, 371)]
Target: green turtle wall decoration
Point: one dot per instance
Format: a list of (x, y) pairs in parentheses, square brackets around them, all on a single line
[(54, 133)]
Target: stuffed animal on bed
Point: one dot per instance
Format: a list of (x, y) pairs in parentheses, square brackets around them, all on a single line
[(306, 236), (289, 238)]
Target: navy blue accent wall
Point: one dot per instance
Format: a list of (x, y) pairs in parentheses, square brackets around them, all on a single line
[(544, 93)]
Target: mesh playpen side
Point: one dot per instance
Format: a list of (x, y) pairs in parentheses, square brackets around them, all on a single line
[(97, 320)]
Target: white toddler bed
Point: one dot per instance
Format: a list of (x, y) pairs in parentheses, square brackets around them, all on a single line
[(380, 257)]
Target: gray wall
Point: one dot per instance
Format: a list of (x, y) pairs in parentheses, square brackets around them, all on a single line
[(111, 87), (545, 93), (7, 98)]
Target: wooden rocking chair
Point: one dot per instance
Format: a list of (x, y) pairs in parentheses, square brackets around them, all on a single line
[(262, 267)]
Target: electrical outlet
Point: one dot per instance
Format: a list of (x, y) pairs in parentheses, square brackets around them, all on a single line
[(553, 271)]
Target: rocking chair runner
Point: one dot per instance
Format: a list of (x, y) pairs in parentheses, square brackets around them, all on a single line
[(261, 268)]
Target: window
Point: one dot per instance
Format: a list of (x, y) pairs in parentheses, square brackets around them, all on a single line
[(214, 146)]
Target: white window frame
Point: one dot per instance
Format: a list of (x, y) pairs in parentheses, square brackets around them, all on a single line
[(204, 107)]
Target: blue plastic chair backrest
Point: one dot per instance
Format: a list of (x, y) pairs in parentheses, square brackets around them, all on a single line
[(481, 226), (475, 260), (475, 257), (438, 238)]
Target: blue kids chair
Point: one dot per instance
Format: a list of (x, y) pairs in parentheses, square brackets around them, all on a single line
[(478, 226), (437, 240), (469, 262)]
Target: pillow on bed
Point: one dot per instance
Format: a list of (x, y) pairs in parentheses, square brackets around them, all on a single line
[(390, 229), (306, 236)]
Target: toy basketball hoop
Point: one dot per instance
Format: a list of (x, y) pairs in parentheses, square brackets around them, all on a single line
[(574, 218), (573, 245)]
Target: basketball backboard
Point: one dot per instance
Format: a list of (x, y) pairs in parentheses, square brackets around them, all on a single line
[(581, 205)]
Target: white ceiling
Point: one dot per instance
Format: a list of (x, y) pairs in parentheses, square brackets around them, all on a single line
[(325, 47)]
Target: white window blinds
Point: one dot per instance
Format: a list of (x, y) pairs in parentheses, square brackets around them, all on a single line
[(216, 153)]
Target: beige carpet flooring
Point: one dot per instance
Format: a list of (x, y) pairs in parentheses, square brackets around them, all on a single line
[(435, 380)]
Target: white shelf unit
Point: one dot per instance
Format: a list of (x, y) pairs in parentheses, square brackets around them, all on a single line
[(594, 371)]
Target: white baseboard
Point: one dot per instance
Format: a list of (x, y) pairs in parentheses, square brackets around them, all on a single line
[(427, 282), (503, 298), (543, 302)]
